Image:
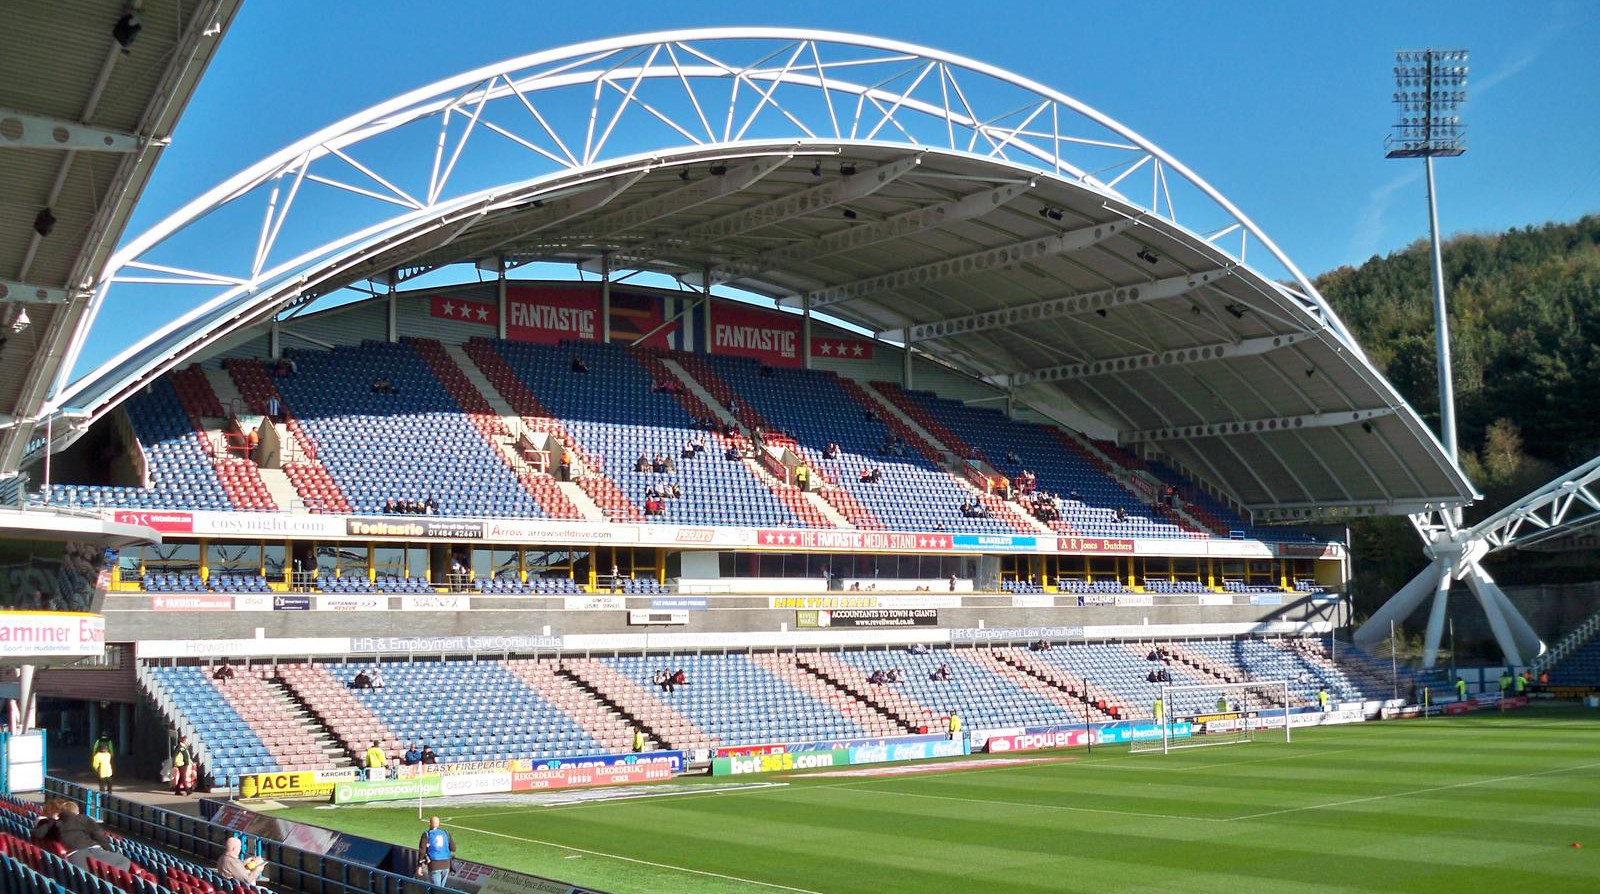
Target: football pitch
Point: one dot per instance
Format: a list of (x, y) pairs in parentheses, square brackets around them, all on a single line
[(1485, 802)]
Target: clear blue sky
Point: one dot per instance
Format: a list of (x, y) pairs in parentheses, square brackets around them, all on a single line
[(1283, 107)]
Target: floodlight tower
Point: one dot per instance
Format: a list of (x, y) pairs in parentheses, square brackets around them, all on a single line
[(1430, 86)]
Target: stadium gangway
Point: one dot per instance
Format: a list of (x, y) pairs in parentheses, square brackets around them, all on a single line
[(291, 868)]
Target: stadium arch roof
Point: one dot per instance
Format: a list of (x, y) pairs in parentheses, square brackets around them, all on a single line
[(993, 223)]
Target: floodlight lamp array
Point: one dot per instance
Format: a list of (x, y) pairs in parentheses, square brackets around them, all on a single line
[(1430, 89)]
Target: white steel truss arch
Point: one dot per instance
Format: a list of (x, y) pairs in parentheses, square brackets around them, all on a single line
[(1552, 516), (699, 92)]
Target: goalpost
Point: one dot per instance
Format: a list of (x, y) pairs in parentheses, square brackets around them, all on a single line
[(1195, 716)]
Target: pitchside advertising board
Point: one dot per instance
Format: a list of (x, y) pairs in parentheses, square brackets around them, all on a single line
[(484, 782), (302, 784)]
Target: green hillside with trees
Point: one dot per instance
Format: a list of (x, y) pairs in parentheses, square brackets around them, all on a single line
[(1525, 329)]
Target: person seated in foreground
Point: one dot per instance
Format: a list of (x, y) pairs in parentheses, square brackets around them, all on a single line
[(578, 366), (230, 865), (361, 681), (940, 674), (413, 755), (428, 757), (83, 838), (223, 673), (679, 678), (876, 678)]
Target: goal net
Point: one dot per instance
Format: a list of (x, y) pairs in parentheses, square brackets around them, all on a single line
[(1194, 716)]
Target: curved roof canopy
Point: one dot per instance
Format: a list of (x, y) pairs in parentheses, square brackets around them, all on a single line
[(991, 223), (83, 119)]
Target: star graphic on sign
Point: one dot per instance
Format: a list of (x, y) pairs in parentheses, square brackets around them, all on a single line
[(483, 312), (859, 349), (827, 348), (449, 309)]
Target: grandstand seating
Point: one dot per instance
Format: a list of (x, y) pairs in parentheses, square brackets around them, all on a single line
[(317, 489), (1581, 666), (240, 726), (1303, 669), (613, 411), (409, 443), (548, 707), (816, 408), (734, 700), (180, 469), (993, 436), (26, 868), (981, 692), (494, 713)]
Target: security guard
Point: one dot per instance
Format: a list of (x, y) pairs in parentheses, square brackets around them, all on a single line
[(1322, 700), (1158, 709), (375, 759), (638, 740), (100, 761), (1461, 689)]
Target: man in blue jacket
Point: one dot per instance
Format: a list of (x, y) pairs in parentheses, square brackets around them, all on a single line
[(437, 849)]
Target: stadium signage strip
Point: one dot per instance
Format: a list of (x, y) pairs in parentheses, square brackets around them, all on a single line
[(866, 601), (867, 617), (54, 634), (486, 782), (523, 531), (674, 760), (298, 784), (527, 643)]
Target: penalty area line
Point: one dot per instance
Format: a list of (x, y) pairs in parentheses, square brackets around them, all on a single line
[(637, 861)]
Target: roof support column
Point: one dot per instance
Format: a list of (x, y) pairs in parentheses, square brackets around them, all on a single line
[(705, 286), (905, 361), (274, 341), (605, 297), (500, 299), (805, 330), (391, 330)]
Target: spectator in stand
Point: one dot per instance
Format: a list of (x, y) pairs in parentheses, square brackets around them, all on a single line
[(375, 760), (892, 676), (381, 385), (679, 678), (659, 678), (100, 762), (876, 678), (274, 407), (431, 505), (428, 757), (1120, 515), (436, 849), (871, 476), (642, 464), (223, 673), (413, 756), (361, 681), (919, 648), (578, 366), (82, 837), (659, 464), (229, 865), (389, 506), (1012, 458), (183, 769), (376, 680), (941, 674), (952, 583), (831, 451), (616, 578), (674, 491), (733, 453)]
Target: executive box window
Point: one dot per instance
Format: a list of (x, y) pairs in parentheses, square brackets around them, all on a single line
[(233, 558), (341, 561), (408, 560)]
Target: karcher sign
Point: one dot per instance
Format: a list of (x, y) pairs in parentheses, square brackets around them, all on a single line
[(303, 784)]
